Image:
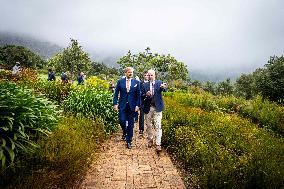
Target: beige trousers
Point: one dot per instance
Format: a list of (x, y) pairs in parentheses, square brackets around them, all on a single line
[(154, 121)]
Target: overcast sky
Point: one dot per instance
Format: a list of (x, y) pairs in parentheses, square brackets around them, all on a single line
[(204, 34)]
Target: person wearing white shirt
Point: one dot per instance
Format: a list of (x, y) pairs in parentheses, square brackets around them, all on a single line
[(16, 69)]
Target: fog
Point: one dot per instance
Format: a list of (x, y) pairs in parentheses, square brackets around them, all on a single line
[(206, 35)]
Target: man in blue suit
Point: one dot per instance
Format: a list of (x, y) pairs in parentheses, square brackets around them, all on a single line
[(153, 107), (128, 90)]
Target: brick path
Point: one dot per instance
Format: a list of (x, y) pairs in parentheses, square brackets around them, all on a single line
[(141, 167)]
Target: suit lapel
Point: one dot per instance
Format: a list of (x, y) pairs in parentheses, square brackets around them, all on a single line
[(123, 83)]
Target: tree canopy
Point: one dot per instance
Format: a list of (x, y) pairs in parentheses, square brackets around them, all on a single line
[(73, 59), (166, 66), (10, 54), (267, 81)]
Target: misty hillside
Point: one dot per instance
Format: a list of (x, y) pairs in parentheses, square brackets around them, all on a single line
[(48, 50), (43, 48)]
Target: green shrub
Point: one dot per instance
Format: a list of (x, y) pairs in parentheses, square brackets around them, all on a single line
[(90, 102), (54, 90), (268, 114), (63, 157), (23, 117), (95, 82), (223, 150), (26, 77)]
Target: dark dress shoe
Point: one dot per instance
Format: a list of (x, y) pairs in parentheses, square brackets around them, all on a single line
[(129, 146)]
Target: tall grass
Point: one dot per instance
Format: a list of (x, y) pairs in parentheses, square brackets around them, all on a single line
[(268, 114), (223, 150), (62, 159)]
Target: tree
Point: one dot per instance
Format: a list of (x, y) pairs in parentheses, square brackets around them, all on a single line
[(73, 59), (166, 66), (102, 69), (210, 87), (225, 87), (244, 86), (9, 54), (269, 81), (196, 83)]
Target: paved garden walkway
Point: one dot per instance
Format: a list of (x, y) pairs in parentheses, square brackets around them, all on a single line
[(141, 167)]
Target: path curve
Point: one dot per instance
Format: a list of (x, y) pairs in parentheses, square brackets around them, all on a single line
[(141, 167)]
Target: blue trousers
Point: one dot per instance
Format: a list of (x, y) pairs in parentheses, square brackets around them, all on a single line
[(126, 120)]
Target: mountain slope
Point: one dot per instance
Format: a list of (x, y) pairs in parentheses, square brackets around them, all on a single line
[(43, 48)]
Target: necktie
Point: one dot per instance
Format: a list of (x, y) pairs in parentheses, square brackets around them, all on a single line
[(153, 88), (128, 85)]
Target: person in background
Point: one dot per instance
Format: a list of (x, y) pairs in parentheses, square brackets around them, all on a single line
[(81, 78), (16, 69), (111, 86), (152, 90), (143, 101), (64, 78), (51, 75), (126, 100)]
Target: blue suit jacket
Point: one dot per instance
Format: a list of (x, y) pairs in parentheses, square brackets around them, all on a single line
[(158, 98), (132, 97)]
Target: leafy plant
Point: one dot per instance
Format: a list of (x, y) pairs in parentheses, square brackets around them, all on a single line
[(63, 157), (23, 118), (54, 90), (91, 102), (95, 82)]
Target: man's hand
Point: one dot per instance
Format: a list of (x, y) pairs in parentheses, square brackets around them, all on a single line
[(136, 108), (148, 93), (115, 107), (164, 85)]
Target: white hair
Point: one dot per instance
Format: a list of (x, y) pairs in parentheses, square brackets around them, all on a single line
[(127, 69)]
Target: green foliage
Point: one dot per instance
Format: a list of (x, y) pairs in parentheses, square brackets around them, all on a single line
[(73, 59), (9, 54), (268, 114), (23, 117), (27, 77), (210, 87), (271, 81), (222, 150), (63, 157), (244, 86), (94, 103), (196, 83), (54, 90), (95, 82), (5, 75), (102, 69), (166, 66), (177, 85), (267, 81), (225, 87)]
